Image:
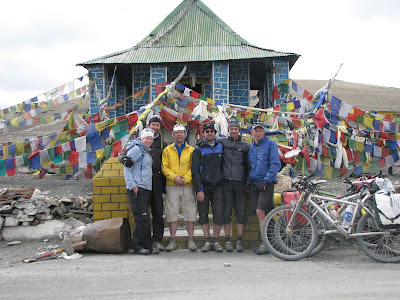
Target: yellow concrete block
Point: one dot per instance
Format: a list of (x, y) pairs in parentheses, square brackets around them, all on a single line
[(100, 215), (106, 167), (124, 206), (97, 207), (99, 174), (254, 227), (118, 182), (109, 190), (121, 173), (111, 173), (122, 189), (119, 214), (96, 190), (118, 166), (119, 198), (251, 236), (101, 198), (112, 160), (110, 206), (101, 182), (252, 219)]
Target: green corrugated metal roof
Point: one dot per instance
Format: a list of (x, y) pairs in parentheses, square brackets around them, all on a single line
[(191, 32)]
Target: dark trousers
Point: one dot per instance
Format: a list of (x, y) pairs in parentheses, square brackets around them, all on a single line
[(215, 196), (142, 229), (261, 200), (156, 204), (234, 195)]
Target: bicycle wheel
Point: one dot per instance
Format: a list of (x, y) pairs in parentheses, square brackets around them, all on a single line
[(322, 237), (287, 244), (384, 247)]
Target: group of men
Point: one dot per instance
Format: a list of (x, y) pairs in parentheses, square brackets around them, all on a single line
[(219, 172)]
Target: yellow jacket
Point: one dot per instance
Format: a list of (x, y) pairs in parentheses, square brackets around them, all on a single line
[(172, 166)]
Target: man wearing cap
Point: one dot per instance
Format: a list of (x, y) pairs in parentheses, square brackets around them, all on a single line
[(158, 183), (138, 173), (234, 168), (207, 178), (176, 166), (264, 165)]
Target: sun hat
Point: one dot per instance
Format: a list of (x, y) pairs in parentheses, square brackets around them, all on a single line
[(147, 132), (178, 127)]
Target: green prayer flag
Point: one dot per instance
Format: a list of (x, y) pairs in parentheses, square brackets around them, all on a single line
[(2, 168), (107, 151)]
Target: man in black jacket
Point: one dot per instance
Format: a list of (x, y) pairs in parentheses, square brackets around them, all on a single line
[(158, 184), (234, 168), (207, 178)]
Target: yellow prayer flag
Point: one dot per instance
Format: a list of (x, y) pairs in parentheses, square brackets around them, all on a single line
[(5, 152), (369, 122), (328, 170), (69, 169), (46, 163), (20, 148), (359, 146), (366, 167), (287, 81), (14, 122), (49, 118), (62, 136), (100, 126), (211, 101), (100, 153), (290, 106)]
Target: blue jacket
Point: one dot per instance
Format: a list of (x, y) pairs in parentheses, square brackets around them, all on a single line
[(207, 165), (264, 161), (140, 174)]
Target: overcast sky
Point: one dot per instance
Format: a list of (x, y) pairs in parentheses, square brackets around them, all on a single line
[(41, 41)]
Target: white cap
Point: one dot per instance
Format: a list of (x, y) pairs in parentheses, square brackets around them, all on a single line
[(178, 127), (146, 132)]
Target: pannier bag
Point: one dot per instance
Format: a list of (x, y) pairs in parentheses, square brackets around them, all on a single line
[(387, 209), (290, 198)]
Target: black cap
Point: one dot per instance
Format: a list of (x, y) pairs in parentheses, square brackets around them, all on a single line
[(155, 118), (209, 125)]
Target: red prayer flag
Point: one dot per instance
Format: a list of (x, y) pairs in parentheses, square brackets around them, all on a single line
[(116, 149), (319, 118), (275, 93), (359, 111), (73, 157)]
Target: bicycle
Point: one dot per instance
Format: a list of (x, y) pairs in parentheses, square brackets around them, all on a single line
[(291, 233)]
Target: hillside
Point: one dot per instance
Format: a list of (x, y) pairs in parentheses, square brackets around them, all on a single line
[(363, 96)]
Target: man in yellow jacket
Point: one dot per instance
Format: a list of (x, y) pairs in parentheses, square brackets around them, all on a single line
[(176, 166)]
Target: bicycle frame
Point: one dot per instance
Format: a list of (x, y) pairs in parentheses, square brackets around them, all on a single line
[(359, 204)]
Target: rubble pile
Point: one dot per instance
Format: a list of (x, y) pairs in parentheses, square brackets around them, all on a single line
[(40, 206)]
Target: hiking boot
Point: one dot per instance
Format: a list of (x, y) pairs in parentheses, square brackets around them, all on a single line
[(239, 246), (143, 251), (155, 250), (262, 250), (217, 247), (171, 246), (192, 246), (228, 246), (158, 245), (206, 247)]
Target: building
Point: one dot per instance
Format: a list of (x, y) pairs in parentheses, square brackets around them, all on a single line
[(220, 64)]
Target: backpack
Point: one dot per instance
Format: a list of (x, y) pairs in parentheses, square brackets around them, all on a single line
[(290, 198), (386, 209)]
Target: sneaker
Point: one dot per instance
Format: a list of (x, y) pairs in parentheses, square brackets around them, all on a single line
[(158, 245), (262, 250), (228, 246), (206, 247), (143, 251), (239, 246), (155, 250), (217, 247), (192, 246), (171, 246)]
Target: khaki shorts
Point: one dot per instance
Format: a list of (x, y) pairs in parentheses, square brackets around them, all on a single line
[(174, 197)]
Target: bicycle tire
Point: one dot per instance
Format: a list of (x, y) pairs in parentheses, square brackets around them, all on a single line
[(322, 237), (291, 246), (384, 248)]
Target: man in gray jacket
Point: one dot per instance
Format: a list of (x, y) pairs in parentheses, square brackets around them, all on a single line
[(234, 169)]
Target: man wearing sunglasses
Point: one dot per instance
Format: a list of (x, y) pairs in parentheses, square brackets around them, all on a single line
[(234, 168), (207, 178)]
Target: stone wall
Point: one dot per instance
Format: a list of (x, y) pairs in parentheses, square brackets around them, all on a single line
[(220, 84), (239, 83), (280, 74), (141, 79), (96, 71)]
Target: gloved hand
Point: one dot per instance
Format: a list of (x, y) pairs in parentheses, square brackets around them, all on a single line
[(127, 161), (200, 143), (263, 187)]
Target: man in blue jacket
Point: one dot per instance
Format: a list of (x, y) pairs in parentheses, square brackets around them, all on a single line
[(264, 165), (207, 178)]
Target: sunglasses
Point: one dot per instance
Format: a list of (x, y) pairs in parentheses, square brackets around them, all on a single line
[(209, 131)]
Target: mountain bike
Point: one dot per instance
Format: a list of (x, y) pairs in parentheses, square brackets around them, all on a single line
[(291, 233)]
